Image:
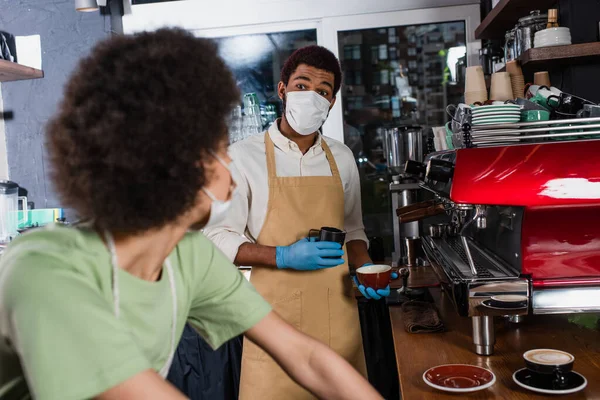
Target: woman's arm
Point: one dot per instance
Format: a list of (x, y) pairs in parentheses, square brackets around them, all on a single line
[(146, 385), (310, 363)]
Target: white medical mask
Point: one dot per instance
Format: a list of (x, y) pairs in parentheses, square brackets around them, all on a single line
[(306, 111), (218, 208)]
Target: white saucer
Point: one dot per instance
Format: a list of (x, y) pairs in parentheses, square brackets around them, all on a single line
[(509, 298)]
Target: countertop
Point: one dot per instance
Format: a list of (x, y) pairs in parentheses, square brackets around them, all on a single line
[(415, 353)]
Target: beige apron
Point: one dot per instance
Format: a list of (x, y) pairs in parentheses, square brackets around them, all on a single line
[(319, 303)]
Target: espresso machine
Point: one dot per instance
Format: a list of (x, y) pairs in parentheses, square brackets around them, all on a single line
[(522, 224), (402, 144)]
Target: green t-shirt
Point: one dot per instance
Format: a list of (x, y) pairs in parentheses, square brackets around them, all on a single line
[(59, 336)]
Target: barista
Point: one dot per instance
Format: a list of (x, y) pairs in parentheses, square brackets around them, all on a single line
[(292, 179)]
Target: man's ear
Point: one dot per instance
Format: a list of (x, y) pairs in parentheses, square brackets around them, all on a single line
[(281, 90)]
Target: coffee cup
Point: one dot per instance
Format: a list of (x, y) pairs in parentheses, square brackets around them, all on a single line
[(475, 79), (476, 97), (328, 234), (566, 103), (375, 276), (513, 68), (543, 96), (541, 78), (550, 362), (501, 87), (535, 115), (527, 105), (589, 111)]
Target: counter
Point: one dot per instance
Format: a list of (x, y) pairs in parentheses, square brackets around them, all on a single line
[(415, 353)]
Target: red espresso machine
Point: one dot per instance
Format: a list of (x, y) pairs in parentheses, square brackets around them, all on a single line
[(523, 224)]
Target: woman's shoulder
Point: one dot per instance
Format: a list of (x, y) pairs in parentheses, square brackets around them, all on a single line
[(52, 251)]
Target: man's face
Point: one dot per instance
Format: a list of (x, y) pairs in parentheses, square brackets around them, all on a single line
[(218, 181), (309, 78)]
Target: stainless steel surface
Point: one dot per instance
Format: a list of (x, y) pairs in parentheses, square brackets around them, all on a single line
[(479, 212), (451, 230), (566, 300), (397, 253), (435, 231), (481, 223), (410, 245), (538, 123), (401, 144), (481, 217), (516, 319), (479, 291), (450, 252), (484, 336), (522, 132), (507, 141), (393, 145), (510, 50), (469, 256), (414, 144), (397, 189), (410, 229), (465, 207), (526, 29)]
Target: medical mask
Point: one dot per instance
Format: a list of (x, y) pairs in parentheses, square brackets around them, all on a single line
[(218, 208), (306, 111)]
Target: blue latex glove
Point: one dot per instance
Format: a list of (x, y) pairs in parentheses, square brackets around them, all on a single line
[(371, 293), (305, 255)]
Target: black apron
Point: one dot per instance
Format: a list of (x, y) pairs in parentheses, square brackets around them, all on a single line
[(202, 373)]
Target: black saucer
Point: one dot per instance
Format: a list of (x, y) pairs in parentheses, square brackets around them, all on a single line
[(545, 383), (499, 305)]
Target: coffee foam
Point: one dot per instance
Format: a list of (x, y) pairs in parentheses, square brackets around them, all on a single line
[(548, 357), (373, 269)]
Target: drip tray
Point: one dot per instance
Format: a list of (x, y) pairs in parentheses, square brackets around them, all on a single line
[(452, 251)]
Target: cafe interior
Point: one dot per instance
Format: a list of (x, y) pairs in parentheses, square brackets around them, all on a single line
[(475, 128)]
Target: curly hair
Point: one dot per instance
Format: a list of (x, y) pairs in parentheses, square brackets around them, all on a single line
[(313, 56), (139, 115)]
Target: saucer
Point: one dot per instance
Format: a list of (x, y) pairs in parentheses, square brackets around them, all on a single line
[(543, 383), (459, 378), (509, 298), (496, 305)]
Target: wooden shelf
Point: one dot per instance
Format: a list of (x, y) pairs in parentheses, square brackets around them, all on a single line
[(572, 52), (504, 16), (545, 57), (10, 71)]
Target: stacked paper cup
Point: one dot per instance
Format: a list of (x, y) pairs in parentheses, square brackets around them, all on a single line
[(517, 79), (475, 89), (541, 78), (501, 88)]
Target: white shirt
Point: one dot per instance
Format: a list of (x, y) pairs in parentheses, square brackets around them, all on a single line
[(248, 210)]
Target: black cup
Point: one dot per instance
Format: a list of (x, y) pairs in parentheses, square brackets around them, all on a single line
[(560, 371), (589, 111), (328, 234), (568, 103)]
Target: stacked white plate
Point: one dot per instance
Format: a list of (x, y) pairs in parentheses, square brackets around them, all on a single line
[(496, 114), (552, 37)]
